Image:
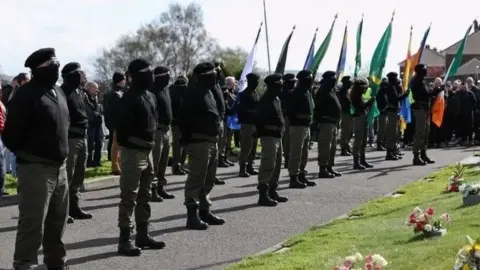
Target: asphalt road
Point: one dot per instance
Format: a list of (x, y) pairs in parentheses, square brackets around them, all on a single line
[(249, 229)]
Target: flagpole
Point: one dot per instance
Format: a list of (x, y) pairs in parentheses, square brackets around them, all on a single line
[(266, 36)]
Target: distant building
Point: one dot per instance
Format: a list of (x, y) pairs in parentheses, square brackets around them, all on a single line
[(434, 60)]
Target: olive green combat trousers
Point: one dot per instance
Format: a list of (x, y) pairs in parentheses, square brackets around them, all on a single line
[(160, 157), (392, 129), (43, 202), (135, 186), (202, 165), (382, 128), (346, 130), (286, 140), (299, 140), (271, 162), (361, 132), (326, 143), (76, 163), (248, 143), (422, 128)]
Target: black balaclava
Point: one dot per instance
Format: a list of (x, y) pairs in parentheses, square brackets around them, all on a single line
[(421, 70), (48, 75), (142, 74), (44, 66), (72, 80), (274, 88), (207, 80), (306, 83), (329, 83), (162, 77), (252, 83)]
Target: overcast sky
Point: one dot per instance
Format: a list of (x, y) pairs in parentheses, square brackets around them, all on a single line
[(78, 29)]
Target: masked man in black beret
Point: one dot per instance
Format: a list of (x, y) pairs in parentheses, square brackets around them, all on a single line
[(221, 107), (36, 131), (247, 117), (361, 109), (162, 140), (327, 114), (395, 95), (382, 103), (179, 152), (111, 101), (77, 132), (300, 116), (421, 112), (346, 124), (270, 128), (287, 88), (200, 126), (136, 136)]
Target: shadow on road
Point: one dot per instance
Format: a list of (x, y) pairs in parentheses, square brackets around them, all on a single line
[(8, 229)]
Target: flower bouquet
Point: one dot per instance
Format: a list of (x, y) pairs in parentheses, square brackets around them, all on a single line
[(468, 258), (423, 222), (372, 262), (471, 193), (456, 179)]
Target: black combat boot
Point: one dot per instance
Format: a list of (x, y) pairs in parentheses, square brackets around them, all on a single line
[(209, 218), (164, 194), (357, 165), (70, 220), (391, 155), (228, 162), (144, 241), (183, 169), (251, 170), (285, 165), (177, 170), (295, 182), (332, 171), (76, 212), (425, 158), (155, 196), (380, 147), (273, 194), (193, 220), (125, 245), (324, 173), (263, 198), (221, 162), (219, 182), (417, 161), (63, 267), (302, 177), (243, 172), (344, 153), (364, 162)]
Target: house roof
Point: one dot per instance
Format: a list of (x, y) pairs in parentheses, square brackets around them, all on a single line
[(472, 46), (469, 68), (430, 57)]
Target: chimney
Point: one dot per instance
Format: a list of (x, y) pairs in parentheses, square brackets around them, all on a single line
[(475, 26), (435, 49), (427, 47)]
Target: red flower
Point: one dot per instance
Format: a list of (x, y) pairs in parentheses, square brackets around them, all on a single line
[(413, 220), (430, 211), (420, 226), (454, 188)]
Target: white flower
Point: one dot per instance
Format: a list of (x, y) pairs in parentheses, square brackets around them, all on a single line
[(417, 210), (477, 254), (351, 259), (422, 218), (379, 260), (428, 228), (358, 257)]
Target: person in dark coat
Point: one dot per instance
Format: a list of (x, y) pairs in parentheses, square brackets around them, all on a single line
[(346, 124), (95, 128), (466, 107), (287, 88), (381, 99), (179, 152)]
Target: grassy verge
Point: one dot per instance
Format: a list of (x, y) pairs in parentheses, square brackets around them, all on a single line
[(379, 227)]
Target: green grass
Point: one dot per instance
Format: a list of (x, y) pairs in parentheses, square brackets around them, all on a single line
[(379, 227)]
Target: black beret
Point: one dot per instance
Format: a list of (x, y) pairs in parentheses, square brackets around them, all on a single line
[(273, 78), (392, 75), (118, 77), (161, 70), (288, 77), (138, 65), (420, 67), (252, 77), (21, 76), (327, 75), (362, 82), (346, 79), (72, 66), (302, 75), (39, 57), (202, 68)]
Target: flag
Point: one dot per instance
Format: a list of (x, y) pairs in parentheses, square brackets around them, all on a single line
[(405, 112), (311, 52), (418, 57), (376, 68), (282, 61), (343, 56), (320, 54), (248, 68), (358, 56), (438, 107)]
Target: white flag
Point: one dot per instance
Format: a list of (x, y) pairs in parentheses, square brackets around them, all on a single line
[(248, 68)]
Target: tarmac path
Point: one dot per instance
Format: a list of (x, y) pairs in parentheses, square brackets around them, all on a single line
[(249, 229)]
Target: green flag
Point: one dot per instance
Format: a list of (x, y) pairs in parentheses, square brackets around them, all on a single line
[(358, 57), (322, 50), (452, 70), (376, 68)]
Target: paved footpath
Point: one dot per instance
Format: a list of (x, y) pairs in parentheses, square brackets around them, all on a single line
[(249, 229)]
